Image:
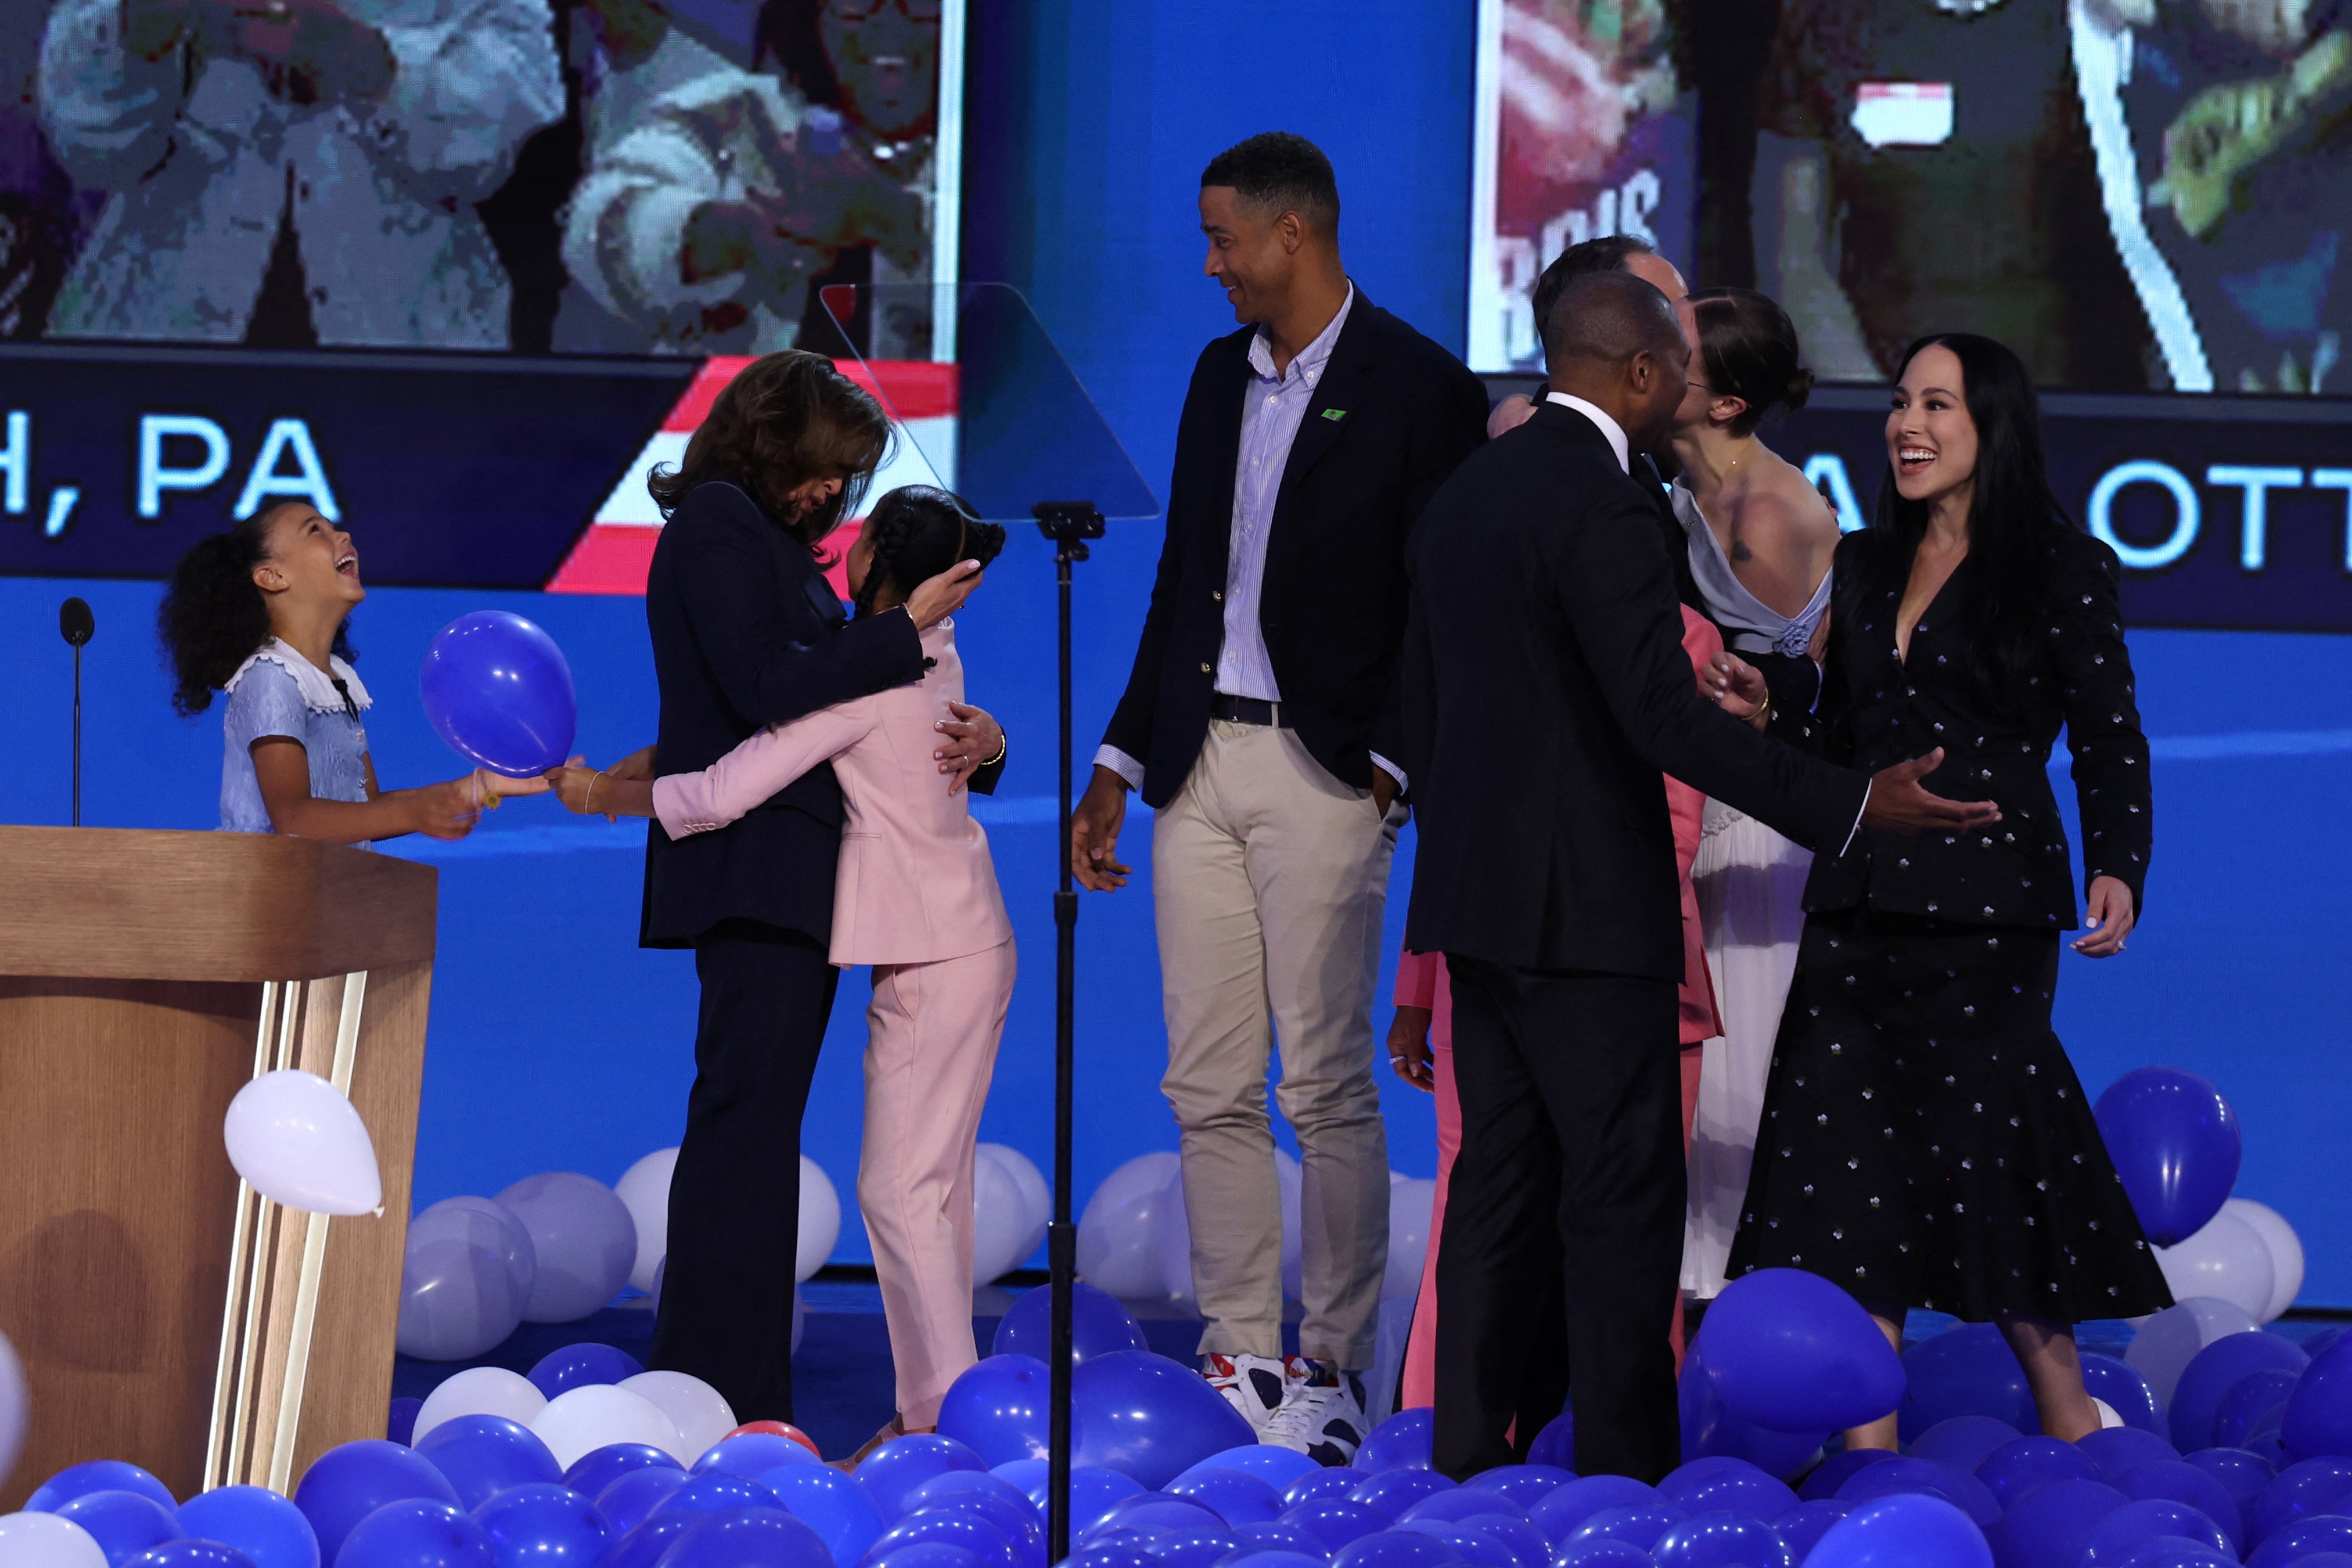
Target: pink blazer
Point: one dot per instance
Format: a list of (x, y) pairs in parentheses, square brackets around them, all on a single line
[(915, 884)]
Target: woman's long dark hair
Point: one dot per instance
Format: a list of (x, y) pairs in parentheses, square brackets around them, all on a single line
[(2011, 515), (214, 615), (785, 419), (918, 531)]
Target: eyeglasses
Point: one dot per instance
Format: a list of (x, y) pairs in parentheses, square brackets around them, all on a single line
[(858, 10)]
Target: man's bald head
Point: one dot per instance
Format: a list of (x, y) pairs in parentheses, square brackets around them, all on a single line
[(1614, 341)]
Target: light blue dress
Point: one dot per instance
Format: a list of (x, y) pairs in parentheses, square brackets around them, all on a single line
[(279, 692)]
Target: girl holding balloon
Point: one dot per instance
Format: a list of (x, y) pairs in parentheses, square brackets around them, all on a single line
[(915, 895), (261, 613)]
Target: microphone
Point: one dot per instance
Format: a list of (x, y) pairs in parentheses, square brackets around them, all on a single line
[(77, 625)]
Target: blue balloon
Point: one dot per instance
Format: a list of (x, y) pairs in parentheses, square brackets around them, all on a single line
[(1710, 1430), (2243, 1475), (1900, 1475), (1469, 1545), (2175, 1143), (1831, 1473), (2314, 1343), (1393, 1491), (892, 1472), (1094, 1491), (644, 1545), (96, 1476), (123, 1523), (594, 1470), (1001, 1408), (1455, 1504), (2298, 1544), (2180, 1481), (1149, 1416), (2125, 1391), (1966, 1371), (831, 1503), (1336, 1481), (541, 1525), (1012, 1516), (1335, 1521), (1238, 1496), (2046, 1527), (628, 1501), (1098, 1325), (2017, 1468), (1963, 1440), (1277, 1465), (1396, 1549), (1193, 1548), (1525, 1484), (2270, 1446), (190, 1553), (2319, 1415), (2312, 1487), (1906, 1530), (2116, 1450), (482, 1456), (1727, 1485), (1399, 1443), (2147, 1519), (1636, 1525), (2209, 1374), (1802, 1527), (715, 1492), (1152, 1513), (1555, 1445), (416, 1532), (1527, 1545), (496, 688), (2256, 1403), (939, 1555), (1722, 1540), (954, 1526), (581, 1365), (751, 1455), (1262, 1557), (1279, 1537), (351, 1480), (1789, 1351), (400, 1420), (745, 1537), (1602, 1551), (1563, 1512), (257, 1522)]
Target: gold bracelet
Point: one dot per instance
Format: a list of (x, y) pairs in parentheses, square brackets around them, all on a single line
[(588, 805), (1003, 744)]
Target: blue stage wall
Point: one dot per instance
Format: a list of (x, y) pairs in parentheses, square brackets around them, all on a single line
[(557, 1043)]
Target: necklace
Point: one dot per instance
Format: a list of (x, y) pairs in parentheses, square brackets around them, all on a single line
[(1964, 8)]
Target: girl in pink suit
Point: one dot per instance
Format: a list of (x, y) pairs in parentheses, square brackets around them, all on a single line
[(916, 896), (1421, 1042)]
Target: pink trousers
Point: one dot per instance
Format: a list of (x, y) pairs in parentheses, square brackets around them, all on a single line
[(932, 1036)]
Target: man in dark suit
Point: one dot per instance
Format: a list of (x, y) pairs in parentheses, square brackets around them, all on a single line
[(1546, 691), (747, 633), (1260, 722)]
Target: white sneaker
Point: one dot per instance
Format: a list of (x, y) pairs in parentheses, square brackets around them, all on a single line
[(1322, 1413), (1255, 1385)]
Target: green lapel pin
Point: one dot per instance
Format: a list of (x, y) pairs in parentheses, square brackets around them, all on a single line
[(1335, 414)]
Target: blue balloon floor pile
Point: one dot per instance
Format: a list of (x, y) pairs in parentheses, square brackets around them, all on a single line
[(1165, 1475)]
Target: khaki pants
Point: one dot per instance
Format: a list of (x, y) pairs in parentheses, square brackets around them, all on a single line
[(1269, 878)]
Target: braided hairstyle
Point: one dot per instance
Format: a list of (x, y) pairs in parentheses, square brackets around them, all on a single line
[(214, 615), (918, 531)]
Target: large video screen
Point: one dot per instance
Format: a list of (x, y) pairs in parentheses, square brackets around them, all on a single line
[(674, 177), (2135, 194)]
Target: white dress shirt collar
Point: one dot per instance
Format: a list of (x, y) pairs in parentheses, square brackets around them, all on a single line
[(1311, 359), (1608, 427)]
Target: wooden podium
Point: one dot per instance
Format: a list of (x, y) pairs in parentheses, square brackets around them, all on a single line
[(165, 1313)]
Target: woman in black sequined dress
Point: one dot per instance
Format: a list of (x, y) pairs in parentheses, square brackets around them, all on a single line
[(1925, 1142)]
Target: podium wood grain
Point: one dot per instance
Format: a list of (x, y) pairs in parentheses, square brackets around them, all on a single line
[(137, 971)]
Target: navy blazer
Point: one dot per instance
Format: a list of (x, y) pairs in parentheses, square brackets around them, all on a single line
[(747, 633), (1390, 418)]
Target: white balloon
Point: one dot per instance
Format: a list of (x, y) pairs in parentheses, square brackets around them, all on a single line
[(578, 1421), (1172, 1237), (2285, 1249), (1000, 1220), (45, 1541), (1292, 1181), (16, 1406), (2108, 1416), (585, 1242), (1411, 1203), (2226, 1259), (295, 1140), (700, 1412), (1036, 1193), (2168, 1342), (644, 1191), (480, 1390), (1117, 1251), (820, 1220), (465, 1275)]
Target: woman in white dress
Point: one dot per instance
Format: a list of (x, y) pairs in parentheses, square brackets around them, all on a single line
[(1761, 542)]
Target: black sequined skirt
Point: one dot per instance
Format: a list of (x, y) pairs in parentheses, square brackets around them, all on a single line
[(1925, 1142)]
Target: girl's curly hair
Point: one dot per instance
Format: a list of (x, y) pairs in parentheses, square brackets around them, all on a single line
[(917, 533), (214, 616), (785, 419)]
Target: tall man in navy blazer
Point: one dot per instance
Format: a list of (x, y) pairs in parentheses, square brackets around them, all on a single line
[(1260, 723)]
